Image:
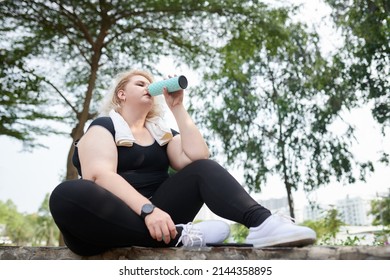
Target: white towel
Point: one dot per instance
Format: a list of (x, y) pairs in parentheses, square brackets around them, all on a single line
[(124, 136)]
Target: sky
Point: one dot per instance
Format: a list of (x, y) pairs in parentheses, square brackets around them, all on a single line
[(26, 177)]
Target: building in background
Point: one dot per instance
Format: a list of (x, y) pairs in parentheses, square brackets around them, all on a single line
[(353, 211)]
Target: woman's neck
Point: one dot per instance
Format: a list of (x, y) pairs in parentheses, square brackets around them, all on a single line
[(135, 120)]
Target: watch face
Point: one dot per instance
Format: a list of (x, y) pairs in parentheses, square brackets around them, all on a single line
[(147, 208)]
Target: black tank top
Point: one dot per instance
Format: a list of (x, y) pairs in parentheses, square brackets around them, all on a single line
[(144, 167)]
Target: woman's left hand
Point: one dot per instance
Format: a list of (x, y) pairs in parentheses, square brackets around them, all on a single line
[(173, 98)]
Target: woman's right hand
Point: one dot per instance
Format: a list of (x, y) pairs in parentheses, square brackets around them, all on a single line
[(161, 226)]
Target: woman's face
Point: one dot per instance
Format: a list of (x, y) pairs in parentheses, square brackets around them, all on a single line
[(136, 91)]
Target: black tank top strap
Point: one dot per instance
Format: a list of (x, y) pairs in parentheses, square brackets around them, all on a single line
[(105, 122)]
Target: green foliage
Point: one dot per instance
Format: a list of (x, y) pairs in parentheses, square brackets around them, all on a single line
[(366, 52), (21, 102), (382, 238), (46, 231), (71, 49), (272, 102), (352, 241), (36, 229), (380, 209), (239, 232), (327, 227), (18, 227), (60, 56)]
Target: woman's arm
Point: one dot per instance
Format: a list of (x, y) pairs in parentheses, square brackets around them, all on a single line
[(98, 157), (189, 145)]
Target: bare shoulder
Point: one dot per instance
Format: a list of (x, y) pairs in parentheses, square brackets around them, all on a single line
[(96, 134), (97, 152), (97, 144)]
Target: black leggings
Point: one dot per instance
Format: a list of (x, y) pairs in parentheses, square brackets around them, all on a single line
[(93, 220)]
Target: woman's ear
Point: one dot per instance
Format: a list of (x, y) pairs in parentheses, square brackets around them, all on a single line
[(121, 95)]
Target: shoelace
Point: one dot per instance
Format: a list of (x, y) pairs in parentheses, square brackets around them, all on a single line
[(285, 218), (192, 236)]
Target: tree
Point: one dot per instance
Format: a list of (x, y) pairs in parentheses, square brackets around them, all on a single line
[(46, 231), (327, 227), (18, 228), (34, 229), (274, 103), (380, 209), (365, 27), (21, 103), (239, 232), (71, 49)]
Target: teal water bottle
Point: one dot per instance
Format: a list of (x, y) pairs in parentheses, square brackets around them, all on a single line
[(172, 85)]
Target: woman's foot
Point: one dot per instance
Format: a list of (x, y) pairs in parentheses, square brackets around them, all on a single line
[(280, 231), (200, 234)]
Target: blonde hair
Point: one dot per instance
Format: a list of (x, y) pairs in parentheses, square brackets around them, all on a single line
[(112, 101)]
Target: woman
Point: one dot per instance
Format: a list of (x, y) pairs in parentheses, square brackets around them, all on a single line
[(126, 197)]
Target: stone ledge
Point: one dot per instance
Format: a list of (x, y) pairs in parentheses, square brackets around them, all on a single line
[(207, 253)]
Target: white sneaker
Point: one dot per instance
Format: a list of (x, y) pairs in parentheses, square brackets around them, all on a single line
[(279, 231), (200, 234)]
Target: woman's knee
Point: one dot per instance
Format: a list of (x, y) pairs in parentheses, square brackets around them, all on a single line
[(57, 196), (204, 164), (71, 186), (205, 167), (67, 192)]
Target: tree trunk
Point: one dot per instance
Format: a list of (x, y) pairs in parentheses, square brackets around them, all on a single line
[(288, 185), (71, 171), (286, 178), (290, 199), (83, 117)]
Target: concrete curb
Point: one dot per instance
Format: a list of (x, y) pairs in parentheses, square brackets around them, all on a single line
[(205, 253)]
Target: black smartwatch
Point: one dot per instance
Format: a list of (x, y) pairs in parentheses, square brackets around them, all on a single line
[(147, 209)]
